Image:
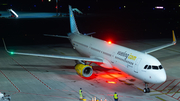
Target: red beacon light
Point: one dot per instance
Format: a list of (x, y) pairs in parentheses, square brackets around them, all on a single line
[(109, 42)]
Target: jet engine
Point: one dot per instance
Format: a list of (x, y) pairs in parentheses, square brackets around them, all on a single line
[(84, 70)]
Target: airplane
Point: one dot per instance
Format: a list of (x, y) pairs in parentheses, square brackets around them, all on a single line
[(138, 64)]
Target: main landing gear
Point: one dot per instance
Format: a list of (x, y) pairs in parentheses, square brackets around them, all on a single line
[(80, 62), (146, 89)]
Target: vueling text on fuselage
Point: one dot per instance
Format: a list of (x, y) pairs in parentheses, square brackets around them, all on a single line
[(126, 55)]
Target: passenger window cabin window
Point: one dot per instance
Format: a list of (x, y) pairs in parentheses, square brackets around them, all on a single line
[(155, 67), (145, 66), (149, 67)]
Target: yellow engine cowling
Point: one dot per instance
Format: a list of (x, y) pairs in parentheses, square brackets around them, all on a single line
[(84, 70)]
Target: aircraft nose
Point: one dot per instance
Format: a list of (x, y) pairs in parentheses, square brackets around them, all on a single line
[(162, 77)]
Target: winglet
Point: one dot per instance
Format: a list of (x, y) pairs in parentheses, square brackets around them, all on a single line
[(5, 46), (174, 38)]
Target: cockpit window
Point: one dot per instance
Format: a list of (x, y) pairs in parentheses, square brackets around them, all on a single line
[(149, 67), (160, 67), (145, 66), (155, 67)]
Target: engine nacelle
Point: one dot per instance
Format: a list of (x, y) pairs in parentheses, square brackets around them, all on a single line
[(84, 70)]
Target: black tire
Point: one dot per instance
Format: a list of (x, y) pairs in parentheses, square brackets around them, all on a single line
[(148, 90), (145, 90)]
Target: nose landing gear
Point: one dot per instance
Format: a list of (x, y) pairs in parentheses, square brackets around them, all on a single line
[(146, 89)]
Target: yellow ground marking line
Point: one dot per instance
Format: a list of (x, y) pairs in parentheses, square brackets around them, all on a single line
[(164, 93), (128, 83), (161, 90), (155, 91), (160, 98), (60, 52), (140, 89), (164, 90)]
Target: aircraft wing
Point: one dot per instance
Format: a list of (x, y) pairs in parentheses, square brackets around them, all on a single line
[(56, 56), (161, 47)]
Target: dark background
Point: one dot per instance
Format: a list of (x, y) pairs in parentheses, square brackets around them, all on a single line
[(108, 18), (89, 5)]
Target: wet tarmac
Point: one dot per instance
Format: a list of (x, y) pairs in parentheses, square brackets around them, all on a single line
[(37, 78)]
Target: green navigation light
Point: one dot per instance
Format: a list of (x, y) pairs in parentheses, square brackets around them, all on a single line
[(12, 53)]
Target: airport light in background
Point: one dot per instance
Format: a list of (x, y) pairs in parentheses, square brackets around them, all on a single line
[(159, 7), (4, 4), (56, 7)]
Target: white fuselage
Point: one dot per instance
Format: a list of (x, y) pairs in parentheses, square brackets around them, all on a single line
[(121, 58)]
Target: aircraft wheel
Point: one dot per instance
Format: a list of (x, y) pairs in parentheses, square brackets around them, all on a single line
[(148, 90), (145, 90)]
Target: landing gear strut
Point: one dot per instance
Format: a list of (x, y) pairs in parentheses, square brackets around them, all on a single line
[(146, 89), (80, 62)]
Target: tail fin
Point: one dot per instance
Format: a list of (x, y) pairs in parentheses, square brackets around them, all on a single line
[(73, 25)]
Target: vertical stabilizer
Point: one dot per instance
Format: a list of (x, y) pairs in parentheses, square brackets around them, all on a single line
[(73, 25)]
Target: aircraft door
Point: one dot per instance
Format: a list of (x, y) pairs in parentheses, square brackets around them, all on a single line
[(136, 65)]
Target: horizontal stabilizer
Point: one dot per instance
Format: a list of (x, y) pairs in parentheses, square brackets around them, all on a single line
[(56, 36), (77, 10), (89, 33)]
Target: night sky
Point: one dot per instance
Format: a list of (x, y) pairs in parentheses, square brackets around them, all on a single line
[(113, 19), (91, 5)]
